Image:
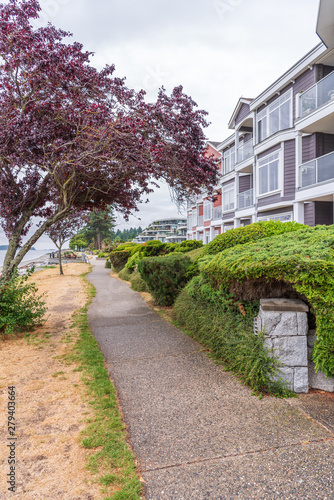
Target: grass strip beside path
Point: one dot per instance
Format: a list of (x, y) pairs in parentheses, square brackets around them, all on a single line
[(113, 458)]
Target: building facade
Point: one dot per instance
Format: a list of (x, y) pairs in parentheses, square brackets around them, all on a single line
[(279, 161), (173, 230)]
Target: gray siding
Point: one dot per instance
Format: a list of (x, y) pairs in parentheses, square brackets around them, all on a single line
[(269, 151), (289, 168), (243, 112), (318, 212), (228, 215), (268, 200), (309, 213), (322, 70), (228, 182), (302, 83), (308, 148), (328, 143), (245, 183)]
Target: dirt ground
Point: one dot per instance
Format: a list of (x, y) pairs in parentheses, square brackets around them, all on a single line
[(50, 406)]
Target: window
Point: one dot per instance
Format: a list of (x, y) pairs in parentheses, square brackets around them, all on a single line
[(228, 197), (268, 174), (194, 217), (229, 160), (207, 210), (281, 217), (277, 116)]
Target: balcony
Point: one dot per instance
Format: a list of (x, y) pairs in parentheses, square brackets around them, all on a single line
[(217, 213), (245, 199), (316, 171), (317, 96), (245, 151)]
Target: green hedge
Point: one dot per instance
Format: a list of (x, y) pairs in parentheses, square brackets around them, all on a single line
[(226, 328), (303, 259), (137, 283), (247, 234), (118, 259), (165, 276)]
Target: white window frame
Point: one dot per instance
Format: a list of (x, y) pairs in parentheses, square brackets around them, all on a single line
[(228, 161), (230, 190), (207, 210), (265, 116), (284, 217), (267, 161)]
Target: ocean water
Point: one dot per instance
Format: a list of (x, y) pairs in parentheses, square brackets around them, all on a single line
[(32, 254)]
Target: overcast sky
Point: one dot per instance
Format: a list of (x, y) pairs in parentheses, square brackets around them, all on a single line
[(219, 50)]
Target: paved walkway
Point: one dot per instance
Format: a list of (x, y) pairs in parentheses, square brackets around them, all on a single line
[(197, 432)]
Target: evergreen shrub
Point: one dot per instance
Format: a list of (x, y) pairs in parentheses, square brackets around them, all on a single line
[(20, 306), (188, 245), (125, 274), (225, 326), (247, 234), (137, 283), (118, 259), (303, 259), (165, 276), (107, 264)]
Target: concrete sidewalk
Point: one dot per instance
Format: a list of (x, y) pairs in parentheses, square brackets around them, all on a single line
[(196, 431)]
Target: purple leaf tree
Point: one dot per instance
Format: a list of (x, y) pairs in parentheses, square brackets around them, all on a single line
[(73, 138)]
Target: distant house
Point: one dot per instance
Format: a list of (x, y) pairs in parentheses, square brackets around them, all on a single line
[(173, 230), (279, 162)]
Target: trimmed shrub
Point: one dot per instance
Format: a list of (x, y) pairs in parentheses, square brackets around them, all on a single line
[(251, 233), (226, 328), (303, 259), (125, 274), (188, 245), (137, 283), (20, 307), (133, 261), (107, 264), (153, 248), (165, 276), (118, 259)]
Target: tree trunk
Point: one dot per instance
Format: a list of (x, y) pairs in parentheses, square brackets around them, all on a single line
[(12, 261), (60, 263)]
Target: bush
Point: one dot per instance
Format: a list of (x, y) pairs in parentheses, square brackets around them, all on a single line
[(153, 248), (102, 254), (226, 328), (108, 264), (125, 274), (133, 261), (247, 234), (302, 259), (188, 245), (165, 276), (118, 259), (137, 283), (20, 307)]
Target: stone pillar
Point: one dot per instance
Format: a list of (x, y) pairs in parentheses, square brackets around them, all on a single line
[(285, 324), (317, 380)]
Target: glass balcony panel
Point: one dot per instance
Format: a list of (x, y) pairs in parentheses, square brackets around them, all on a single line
[(245, 199), (217, 213), (326, 168), (245, 151), (319, 170), (320, 94)]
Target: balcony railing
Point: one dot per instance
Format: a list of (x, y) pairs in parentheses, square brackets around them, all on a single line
[(245, 199), (317, 96), (245, 151), (319, 170), (217, 213), (200, 220)]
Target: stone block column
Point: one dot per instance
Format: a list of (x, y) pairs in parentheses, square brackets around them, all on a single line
[(285, 324)]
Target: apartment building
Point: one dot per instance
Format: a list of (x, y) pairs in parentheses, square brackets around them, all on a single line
[(278, 162), (169, 230)]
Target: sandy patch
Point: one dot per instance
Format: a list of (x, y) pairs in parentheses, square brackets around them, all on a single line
[(50, 406)]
